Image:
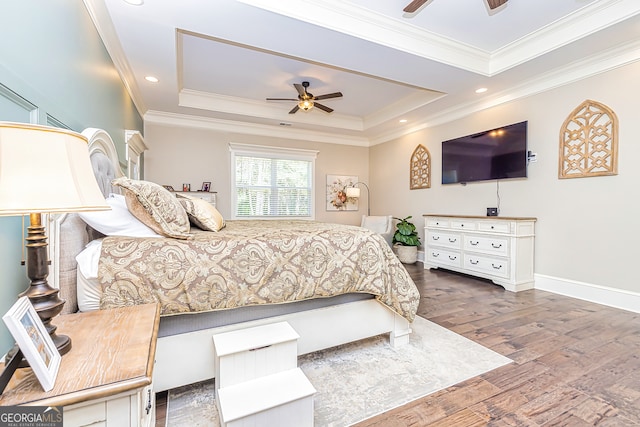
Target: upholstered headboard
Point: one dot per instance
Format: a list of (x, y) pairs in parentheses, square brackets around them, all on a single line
[(68, 234)]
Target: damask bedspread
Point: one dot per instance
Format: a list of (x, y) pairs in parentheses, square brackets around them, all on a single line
[(254, 262)]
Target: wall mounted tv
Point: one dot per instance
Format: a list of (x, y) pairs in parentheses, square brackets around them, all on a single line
[(499, 153)]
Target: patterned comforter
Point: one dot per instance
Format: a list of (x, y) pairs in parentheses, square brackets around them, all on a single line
[(254, 262)]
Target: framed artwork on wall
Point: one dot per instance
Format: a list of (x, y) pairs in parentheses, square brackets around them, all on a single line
[(34, 341), (337, 199)]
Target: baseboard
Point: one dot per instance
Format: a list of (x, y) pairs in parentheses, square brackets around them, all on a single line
[(617, 298)]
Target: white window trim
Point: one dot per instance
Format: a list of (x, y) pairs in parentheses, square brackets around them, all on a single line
[(238, 149)]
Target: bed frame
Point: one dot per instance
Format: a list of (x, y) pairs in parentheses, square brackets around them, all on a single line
[(188, 357)]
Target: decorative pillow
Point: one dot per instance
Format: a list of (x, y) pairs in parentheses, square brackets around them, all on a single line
[(118, 221), (201, 213), (156, 207)]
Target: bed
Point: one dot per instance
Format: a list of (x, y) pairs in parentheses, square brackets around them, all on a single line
[(333, 283)]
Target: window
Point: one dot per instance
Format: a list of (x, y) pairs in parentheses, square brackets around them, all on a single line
[(272, 182)]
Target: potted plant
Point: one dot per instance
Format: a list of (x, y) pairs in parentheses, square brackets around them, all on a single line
[(406, 241)]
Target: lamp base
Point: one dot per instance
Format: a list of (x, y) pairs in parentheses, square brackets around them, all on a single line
[(43, 297)]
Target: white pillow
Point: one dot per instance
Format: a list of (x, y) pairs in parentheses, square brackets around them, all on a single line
[(87, 285), (118, 221)]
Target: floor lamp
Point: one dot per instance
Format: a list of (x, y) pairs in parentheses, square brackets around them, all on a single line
[(354, 192), (45, 170)]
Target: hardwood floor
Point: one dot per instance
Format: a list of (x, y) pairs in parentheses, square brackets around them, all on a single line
[(575, 363)]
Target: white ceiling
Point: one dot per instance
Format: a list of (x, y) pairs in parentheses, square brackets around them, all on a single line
[(217, 61)]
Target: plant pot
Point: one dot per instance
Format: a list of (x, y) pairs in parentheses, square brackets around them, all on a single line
[(406, 254)]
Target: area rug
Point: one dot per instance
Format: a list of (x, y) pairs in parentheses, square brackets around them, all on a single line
[(359, 380)]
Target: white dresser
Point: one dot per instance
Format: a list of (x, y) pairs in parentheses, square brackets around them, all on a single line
[(497, 248)]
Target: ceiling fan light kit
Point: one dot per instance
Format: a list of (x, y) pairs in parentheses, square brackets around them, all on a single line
[(306, 100)]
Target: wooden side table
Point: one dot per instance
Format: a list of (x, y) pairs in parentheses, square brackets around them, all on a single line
[(106, 378)]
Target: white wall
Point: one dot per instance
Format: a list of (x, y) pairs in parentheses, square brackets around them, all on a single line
[(587, 228), (180, 155)]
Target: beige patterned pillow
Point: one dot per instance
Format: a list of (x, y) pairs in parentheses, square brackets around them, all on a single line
[(156, 207), (202, 213)]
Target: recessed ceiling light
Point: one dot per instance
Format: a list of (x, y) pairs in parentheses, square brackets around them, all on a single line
[(135, 2), (151, 79), (481, 90), (403, 120)]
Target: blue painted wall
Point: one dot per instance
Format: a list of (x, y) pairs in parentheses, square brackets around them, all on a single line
[(51, 57)]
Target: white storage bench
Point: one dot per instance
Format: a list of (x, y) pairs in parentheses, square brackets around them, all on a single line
[(258, 382)]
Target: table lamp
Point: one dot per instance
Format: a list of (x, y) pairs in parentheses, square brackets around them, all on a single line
[(45, 170), (354, 192)]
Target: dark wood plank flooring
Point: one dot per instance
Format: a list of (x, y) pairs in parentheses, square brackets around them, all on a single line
[(575, 363)]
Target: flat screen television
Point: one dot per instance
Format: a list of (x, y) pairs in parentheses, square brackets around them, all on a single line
[(499, 153)]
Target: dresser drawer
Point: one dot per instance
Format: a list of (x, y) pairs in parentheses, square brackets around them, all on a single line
[(487, 244), (447, 240), (488, 265), (444, 257), (458, 224), (494, 227), (436, 222)]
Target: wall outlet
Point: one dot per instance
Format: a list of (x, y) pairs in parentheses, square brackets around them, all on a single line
[(492, 211)]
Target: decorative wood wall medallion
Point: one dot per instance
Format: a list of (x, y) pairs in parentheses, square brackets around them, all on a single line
[(589, 142), (420, 168)]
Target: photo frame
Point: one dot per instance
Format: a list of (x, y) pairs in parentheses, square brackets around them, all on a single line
[(337, 199), (34, 341), (186, 187), (169, 187), (206, 186)]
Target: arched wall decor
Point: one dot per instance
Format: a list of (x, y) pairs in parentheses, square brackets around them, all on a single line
[(589, 142), (420, 168)]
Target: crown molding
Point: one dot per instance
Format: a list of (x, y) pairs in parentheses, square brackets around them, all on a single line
[(401, 35), (580, 24), (573, 72), (102, 20), (230, 126), (368, 25)]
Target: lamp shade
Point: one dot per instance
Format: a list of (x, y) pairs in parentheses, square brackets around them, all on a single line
[(353, 192), (45, 170)]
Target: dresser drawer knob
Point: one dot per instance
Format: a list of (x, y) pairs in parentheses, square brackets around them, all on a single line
[(435, 255), (435, 237), (496, 246), (452, 240), (452, 258), (497, 267), (472, 243), (473, 262)]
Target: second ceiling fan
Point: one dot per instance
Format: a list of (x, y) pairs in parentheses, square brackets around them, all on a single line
[(306, 100), (417, 4)]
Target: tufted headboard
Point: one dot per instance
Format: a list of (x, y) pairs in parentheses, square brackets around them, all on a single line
[(68, 234)]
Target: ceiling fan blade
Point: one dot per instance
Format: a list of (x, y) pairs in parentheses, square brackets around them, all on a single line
[(328, 95), (301, 90), (495, 3), (323, 107), (294, 109), (415, 5), (282, 99)]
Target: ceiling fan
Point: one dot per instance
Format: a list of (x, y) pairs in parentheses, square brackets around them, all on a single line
[(306, 100), (417, 4)]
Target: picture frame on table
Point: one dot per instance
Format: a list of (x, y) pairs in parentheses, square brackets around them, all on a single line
[(186, 187), (206, 186), (169, 187), (34, 341)]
